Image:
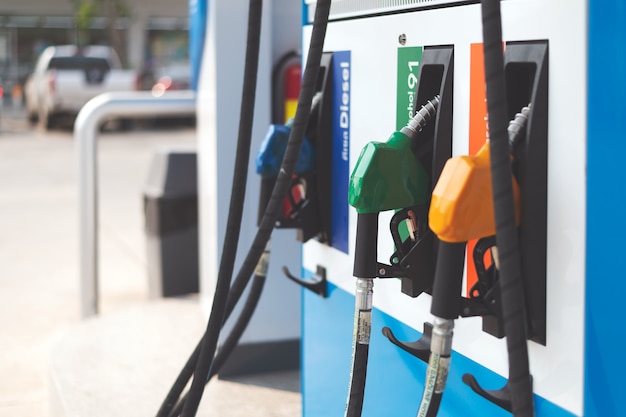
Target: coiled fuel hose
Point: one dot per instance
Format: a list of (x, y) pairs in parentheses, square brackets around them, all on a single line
[(365, 264), (208, 343), (510, 266), (446, 300)]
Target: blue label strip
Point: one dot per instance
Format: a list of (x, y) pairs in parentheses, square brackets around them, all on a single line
[(341, 150)]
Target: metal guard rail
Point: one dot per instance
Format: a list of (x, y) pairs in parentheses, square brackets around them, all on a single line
[(91, 116)]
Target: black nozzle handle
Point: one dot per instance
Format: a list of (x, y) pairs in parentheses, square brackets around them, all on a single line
[(446, 301), (366, 246)]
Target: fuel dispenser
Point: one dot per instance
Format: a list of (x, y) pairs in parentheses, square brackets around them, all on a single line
[(401, 58), (417, 68)]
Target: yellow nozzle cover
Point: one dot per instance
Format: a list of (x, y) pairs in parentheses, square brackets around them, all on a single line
[(461, 208)]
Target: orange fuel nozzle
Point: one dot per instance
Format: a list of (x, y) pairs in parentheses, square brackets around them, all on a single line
[(461, 208)]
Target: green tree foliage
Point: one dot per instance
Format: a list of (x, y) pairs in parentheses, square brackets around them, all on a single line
[(87, 10)]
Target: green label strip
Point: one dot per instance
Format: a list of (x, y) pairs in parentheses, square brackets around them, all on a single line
[(408, 67)]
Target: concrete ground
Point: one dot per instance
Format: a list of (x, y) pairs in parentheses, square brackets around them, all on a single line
[(42, 337)]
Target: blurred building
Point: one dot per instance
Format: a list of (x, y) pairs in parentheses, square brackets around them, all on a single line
[(152, 33)]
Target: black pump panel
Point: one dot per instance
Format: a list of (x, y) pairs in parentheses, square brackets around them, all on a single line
[(526, 72), (323, 145), (312, 215), (436, 75), (434, 148)]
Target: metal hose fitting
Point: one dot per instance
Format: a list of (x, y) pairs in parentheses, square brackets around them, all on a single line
[(364, 292), (438, 366), (363, 310), (441, 342), (517, 126)]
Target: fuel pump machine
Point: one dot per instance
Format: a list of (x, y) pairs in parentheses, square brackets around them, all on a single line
[(397, 211)]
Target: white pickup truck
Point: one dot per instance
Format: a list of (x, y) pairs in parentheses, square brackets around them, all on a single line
[(67, 76)]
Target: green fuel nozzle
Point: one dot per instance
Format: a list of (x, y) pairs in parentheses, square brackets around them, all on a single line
[(388, 175)]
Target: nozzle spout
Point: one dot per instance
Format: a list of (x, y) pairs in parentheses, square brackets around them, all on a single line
[(517, 126), (421, 118)]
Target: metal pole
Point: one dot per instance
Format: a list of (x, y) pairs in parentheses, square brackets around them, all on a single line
[(97, 110)]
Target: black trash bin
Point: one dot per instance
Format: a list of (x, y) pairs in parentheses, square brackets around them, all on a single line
[(171, 223)]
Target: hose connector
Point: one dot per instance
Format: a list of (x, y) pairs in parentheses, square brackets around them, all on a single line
[(421, 118), (441, 341), (364, 293), (438, 366)]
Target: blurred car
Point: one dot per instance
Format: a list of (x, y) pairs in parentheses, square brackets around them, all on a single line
[(66, 77)]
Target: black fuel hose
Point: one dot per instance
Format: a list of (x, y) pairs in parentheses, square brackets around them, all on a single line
[(357, 377), (512, 291), (233, 225), (365, 270), (231, 341), (296, 137), (274, 205), (256, 289), (445, 308), (223, 353), (446, 303), (227, 347)]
